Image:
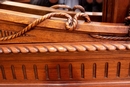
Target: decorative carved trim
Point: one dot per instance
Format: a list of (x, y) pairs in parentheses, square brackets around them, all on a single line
[(62, 47), (5, 33)]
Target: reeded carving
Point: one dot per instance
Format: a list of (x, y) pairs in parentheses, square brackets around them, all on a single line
[(69, 68), (5, 33), (3, 72), (13, 72), (24, 72)]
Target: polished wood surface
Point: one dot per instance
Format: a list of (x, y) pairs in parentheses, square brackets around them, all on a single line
[(109, 68), (17, 21), (38, 10), (115, 10), (93, 54)]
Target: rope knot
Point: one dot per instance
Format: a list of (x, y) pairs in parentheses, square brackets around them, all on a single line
[(74, 22)]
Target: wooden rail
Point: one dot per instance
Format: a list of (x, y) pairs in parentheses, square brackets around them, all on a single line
[(40, 10), (17, 21)]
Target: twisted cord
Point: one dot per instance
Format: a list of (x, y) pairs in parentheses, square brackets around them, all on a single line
[(84, 15), (61, 6), (70, 25), (69, 8), (36, 22), (78, 7), (127, 22), (116, 38), (75, 19)]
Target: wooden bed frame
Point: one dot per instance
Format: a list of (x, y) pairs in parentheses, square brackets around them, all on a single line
[(93, 54)]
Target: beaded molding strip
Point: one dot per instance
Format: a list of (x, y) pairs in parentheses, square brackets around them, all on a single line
[(62, 47)]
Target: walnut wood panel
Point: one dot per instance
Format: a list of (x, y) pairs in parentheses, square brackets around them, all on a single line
[(115, 10), (49, 55), (40, 10), (66, 68)]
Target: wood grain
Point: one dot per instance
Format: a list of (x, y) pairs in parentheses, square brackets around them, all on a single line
[(115, 10), (21, 20), (41, 10), (50, 56)]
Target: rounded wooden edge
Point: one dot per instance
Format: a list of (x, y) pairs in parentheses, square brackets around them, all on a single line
[(62, 47)]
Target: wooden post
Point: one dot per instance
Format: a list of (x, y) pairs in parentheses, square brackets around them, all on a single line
[(115, 10)]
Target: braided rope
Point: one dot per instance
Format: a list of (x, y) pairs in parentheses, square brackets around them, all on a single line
[(61, 6), (75, 19), (116, 38), (69, 8), (78, 7), (70, 25), (36, 22), (73, 24)]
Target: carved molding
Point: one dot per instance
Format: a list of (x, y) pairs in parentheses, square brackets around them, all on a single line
[(62, 47), (5, 33)]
